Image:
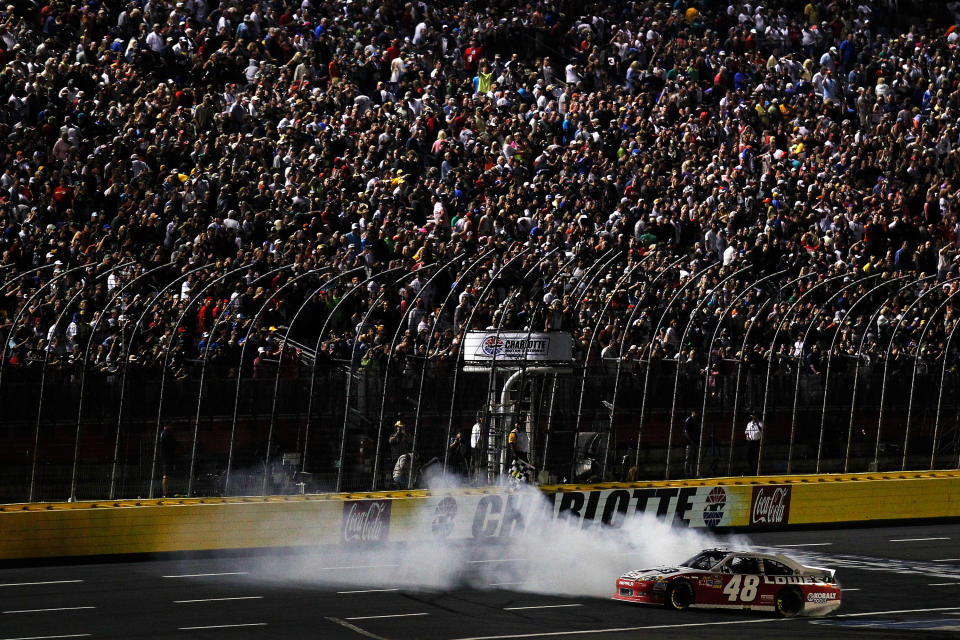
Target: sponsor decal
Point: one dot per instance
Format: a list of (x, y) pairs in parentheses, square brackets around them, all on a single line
[(819, 597), (766, 596), (716, 502), (480, 346), (444, 516), (365, 521), (794, 579), (502, 515), (507, 347), (770, 505)]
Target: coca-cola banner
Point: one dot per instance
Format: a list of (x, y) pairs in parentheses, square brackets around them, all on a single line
[(770, 506), (365, 522)]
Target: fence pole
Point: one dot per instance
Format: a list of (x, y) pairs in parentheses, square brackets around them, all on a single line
[(124, 364), (913, 378), (766, 388), (803, 349), (86, 359), (943, 376), (706, 376), (353, 357), (586, 359), (886, 362), (833, 341), (43, 378), (166, 364), (676, 378)]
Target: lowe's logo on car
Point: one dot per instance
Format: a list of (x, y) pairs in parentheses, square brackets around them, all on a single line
[(794, 579)]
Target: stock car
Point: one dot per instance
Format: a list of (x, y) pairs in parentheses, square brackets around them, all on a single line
[(724, 579)]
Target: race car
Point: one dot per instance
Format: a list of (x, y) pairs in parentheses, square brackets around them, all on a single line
[(725, 579)]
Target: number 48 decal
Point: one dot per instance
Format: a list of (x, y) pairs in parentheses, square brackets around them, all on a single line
[(748, 592)]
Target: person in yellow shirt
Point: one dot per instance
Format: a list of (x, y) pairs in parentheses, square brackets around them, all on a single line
[(519, 443), (811, 13)]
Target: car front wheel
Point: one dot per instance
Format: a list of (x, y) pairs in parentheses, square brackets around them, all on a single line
[(679, 595)]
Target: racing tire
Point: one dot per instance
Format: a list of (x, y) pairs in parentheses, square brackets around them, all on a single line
[(789, 602), (679, 595)]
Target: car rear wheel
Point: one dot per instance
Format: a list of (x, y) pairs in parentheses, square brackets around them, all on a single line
[(679, 595), (789, 602)]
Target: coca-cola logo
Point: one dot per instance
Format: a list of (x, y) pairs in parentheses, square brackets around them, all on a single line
[(365, 521), (770, 505)]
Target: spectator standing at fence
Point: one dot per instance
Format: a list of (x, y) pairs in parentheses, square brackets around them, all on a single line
[(168, 458), (459, 451), (400, 443), (753, 432), (691, 436), (519, 443)]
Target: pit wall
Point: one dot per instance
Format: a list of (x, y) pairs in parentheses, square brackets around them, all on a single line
[(62, 530)]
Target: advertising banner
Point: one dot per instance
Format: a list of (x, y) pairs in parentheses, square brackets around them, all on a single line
[(770, 505), (484, 347), (497, 515), (365, 522)]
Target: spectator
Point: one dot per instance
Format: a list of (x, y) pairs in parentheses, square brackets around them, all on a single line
[(754, 432)]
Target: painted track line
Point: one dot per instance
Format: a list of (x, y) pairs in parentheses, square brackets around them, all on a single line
[(948, 560), (355, 628), (621, 629), (207, 575), (895, 611), (361, 566), (494, 560), (916, 539), (807, 544), (223, 626), (367, 591), (29, 584), (542, 606), (48, 610), (395, 615), (942, 584), (72, 635), (218, 599)]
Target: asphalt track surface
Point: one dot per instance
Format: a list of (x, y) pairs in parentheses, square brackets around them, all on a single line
[(900, 582)]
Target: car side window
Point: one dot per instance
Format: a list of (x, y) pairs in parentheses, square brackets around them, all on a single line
[(744, 564), (774, 568)]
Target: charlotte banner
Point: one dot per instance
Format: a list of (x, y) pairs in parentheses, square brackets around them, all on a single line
[(486, 346), (503, 514)]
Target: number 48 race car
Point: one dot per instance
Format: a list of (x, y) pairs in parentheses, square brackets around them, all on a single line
[(722, 579)]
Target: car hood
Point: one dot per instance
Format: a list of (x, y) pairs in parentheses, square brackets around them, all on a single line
[(657, 573)]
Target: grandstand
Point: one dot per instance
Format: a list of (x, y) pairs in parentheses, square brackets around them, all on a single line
[(271, 227)]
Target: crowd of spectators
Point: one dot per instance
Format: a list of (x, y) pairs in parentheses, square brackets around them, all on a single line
[(180, 179)]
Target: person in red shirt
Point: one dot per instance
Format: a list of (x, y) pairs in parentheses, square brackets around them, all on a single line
[(471, 57)]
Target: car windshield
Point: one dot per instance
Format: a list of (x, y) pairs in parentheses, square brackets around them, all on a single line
[(705, 560)]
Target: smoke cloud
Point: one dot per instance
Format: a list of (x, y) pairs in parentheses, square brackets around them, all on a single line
[(541, 554)]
